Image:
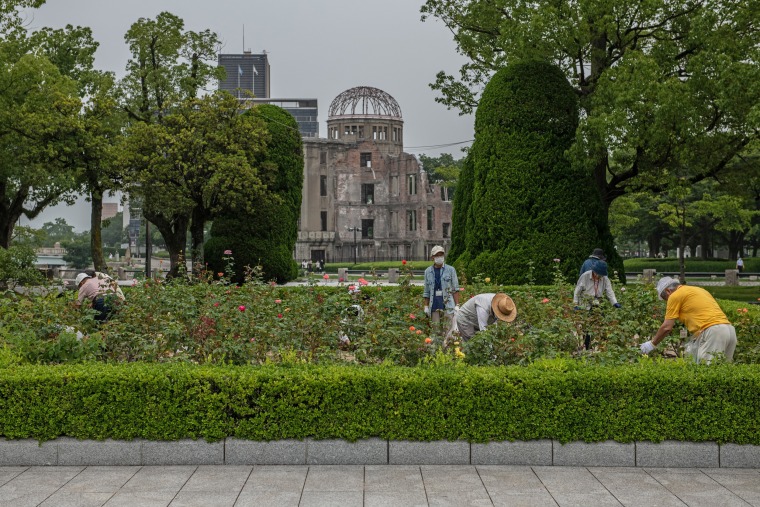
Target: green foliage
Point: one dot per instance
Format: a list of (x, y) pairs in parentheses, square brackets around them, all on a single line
[(78, 252), (217, 323), (553, 399), (264, 233), (38, 115), (664, 85), (17, 266), (522, 200), (670, 265)]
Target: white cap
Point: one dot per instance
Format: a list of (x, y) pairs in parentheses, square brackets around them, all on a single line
[(663, 284), (436, 250), (80, 277)]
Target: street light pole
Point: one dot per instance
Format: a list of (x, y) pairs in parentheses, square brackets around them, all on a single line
[(354, 229)]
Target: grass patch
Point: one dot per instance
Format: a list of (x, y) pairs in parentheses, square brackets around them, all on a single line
[(744, 294)]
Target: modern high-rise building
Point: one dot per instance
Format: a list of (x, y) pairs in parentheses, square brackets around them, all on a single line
[(305, 111), (246, 73)]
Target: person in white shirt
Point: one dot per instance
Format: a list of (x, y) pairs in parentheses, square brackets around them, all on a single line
[(591, 287), (739, 264), (483, 310)]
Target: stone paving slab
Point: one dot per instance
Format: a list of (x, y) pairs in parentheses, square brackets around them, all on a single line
[(376, 486)]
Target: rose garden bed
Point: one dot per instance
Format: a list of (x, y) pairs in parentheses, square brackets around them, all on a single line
[(264, 362)]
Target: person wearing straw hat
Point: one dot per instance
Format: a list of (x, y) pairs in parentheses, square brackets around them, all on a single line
[(711, 332), (483, 310)]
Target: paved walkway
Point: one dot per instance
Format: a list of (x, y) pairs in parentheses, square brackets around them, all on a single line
[(382, 485)]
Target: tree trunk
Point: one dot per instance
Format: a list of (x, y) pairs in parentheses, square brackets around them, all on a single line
[(654, 242), (196, 234), (96, 240), (682, 252), (175, 236), (11, 209)]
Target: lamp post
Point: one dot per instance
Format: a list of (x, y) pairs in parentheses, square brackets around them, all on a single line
[(354, 229)]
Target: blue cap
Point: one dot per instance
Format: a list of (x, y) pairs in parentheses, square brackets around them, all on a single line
[(599, 267)]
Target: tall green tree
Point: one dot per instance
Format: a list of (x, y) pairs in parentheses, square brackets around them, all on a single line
[(199, 160), (662, 83), (169, 67), (265, 232), (38, 123), (525, 193), (72, 51)]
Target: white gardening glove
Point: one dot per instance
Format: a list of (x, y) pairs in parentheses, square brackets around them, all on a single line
[(647, 347), (456, 309), (427, 310)]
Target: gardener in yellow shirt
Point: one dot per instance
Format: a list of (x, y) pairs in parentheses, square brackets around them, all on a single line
[(711, 332)]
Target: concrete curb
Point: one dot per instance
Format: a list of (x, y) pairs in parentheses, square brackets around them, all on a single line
[(374, 451)]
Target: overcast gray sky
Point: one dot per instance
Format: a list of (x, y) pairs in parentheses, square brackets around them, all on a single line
[(317, 49)]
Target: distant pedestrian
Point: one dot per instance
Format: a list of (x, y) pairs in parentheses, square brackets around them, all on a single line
[(711, 332), (596, 255), (309, 266), (739, 264)]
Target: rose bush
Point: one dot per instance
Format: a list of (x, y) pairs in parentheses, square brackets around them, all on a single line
[(256, 323)]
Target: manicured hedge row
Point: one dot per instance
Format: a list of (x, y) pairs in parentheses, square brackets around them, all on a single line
[(670, 265), (554, 399)]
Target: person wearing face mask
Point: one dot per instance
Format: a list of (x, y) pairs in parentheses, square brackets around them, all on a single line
[(441, 291)]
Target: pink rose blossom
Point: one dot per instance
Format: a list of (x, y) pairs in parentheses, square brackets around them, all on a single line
[(545, 300), (279, 315), (403, 262), (228, 252), (278, 301), (556, 260), (412, 316), (216, 304), (241, 308), (362, 281), (326, 276)]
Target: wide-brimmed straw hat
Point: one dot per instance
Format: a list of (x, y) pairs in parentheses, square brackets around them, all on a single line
[(503, 307), (80, 277)]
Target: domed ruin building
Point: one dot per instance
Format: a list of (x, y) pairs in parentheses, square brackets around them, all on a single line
[(363, 196)]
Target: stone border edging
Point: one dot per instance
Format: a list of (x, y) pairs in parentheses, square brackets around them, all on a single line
[(374, 451)]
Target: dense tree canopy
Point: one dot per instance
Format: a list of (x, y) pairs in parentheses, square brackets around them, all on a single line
[(199, 160), (666, 87), (265, 232), (168, 69)]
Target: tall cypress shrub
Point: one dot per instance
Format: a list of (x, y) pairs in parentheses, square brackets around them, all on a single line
[(266, 234), (528, 202)]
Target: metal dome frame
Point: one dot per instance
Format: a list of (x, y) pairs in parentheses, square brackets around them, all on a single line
[(364, 101)]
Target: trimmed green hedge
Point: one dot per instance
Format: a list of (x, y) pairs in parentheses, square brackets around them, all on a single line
[(670, 264), (555, 399)]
